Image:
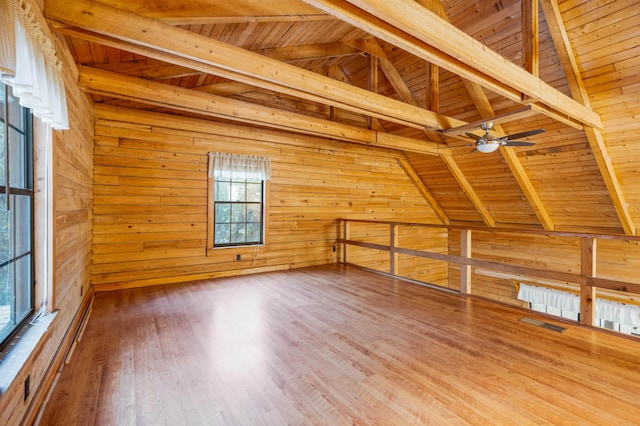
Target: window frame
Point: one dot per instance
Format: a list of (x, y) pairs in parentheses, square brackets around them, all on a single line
[(211, 203), (28, 168)]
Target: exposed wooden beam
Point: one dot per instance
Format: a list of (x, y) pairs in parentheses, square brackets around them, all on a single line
[(414, 177), (594, 135), (374, 80), (215, 57), (213, 20), (228, 88), (408, 25), (201, 12), (309, 51), (530, 45), (433, 90), (153, 93), (467, 188), (373, 47), (149, 69)]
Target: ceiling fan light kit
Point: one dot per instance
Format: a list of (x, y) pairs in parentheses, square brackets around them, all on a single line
[(488, 143), (487, 147)]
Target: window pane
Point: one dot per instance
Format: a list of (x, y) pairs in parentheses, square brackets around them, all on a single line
[(223, 213), (23, 292), (6, 300), (223, 191), (253, 232), (223, 235), (17, 172), (5, 224), (238, 191), (16, 114), (2, 155), (254, 192), (238, 233), (254, 213), (21, 212), (238, 213)]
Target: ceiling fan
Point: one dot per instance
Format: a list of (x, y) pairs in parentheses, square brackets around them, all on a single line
[(488, 143)]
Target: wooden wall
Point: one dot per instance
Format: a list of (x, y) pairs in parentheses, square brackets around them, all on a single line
[(72, 215), (150, 206)]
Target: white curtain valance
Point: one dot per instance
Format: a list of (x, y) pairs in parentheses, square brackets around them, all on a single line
[(240, 167), (28, 63), (549, 297), (608, 310)]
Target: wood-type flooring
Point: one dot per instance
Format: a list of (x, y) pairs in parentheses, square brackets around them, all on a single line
[(335, 345)]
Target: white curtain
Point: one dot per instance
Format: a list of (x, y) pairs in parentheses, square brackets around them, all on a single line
[(618, 312), (28, 63), (605, 309), (549, 297), (239, 167)]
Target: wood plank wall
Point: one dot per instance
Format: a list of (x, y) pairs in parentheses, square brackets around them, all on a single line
[(150, 207), (73, 194)]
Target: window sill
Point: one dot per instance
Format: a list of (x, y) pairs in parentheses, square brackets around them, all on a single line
[(17, 352)]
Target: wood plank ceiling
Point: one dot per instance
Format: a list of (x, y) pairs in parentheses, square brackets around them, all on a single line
[(409, 75)]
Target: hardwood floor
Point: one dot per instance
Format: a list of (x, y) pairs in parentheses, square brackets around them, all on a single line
[(335, 345)]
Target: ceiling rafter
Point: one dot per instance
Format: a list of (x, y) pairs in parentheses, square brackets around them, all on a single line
[(212, 56), (404, 23), (578, 91), (413, 176), (106, 83), (467, 188)]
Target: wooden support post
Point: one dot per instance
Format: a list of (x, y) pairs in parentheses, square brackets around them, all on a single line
[(465, 270), (373, 86), (530, 48), (587, 292), (346, 232), (393, 255)]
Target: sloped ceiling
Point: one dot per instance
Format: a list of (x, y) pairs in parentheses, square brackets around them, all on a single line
[(408, 75)]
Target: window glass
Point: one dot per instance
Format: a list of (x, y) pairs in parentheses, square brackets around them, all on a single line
[(238, 212)]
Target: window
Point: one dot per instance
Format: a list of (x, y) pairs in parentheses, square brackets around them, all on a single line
[(16, 214), (611, 314), (236, 207), (238, 212)]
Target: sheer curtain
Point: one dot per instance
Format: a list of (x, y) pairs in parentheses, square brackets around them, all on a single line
[(608, 310), (28, 63), (239, 167)]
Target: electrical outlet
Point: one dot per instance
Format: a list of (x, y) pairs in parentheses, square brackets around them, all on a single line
[(238, 257), (27, 386), (334, 249)]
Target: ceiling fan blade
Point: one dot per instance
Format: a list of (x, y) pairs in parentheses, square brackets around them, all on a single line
[(524, 134), (474, 137), (517, 143)]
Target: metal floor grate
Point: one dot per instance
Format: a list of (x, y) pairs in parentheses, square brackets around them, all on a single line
[(543, 324)]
